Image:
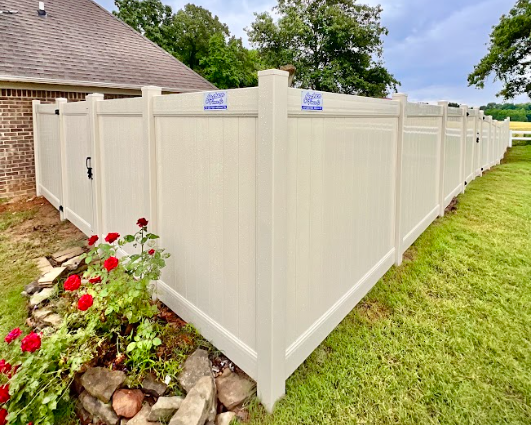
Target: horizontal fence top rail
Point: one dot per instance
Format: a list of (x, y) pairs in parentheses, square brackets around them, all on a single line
[(423, 110), (121, 107), (240, 102), (455, 112), (341, 105)]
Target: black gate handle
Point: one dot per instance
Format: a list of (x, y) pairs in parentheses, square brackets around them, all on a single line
[(88, 163)]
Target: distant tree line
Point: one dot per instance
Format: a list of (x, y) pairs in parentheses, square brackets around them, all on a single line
[(516, 112), (335, 45)]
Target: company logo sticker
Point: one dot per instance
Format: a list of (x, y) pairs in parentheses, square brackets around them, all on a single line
[(311, 101), (216, 100)]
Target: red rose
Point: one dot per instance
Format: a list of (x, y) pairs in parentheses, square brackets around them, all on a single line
[(142, 222), (96, 279), (85, 302), (92, 240), (31, 342), (110, 263), (4, 393), (151, 252), (3, 416), (72, 283), (14, 334), (111, 237), (5, 367)]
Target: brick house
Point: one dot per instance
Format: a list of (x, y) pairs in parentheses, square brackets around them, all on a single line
[(68, 49)]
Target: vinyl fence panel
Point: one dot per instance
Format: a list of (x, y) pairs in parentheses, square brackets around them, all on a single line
[(48, 152), (340, 211), (207, 216), (420, 170), (123, 166), (470, 144), (453, 149), (77, 154)]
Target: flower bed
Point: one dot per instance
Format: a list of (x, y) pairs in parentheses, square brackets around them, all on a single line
[(107, 319)]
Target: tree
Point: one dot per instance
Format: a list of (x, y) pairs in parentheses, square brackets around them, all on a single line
[(194, 25), (336, 45), (150, 18), (509, 55), (229, 63)]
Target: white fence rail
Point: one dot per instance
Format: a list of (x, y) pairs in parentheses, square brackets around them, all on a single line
[(280, 219), (519, 135)]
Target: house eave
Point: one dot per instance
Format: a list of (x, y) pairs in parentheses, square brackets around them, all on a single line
[(98, 84)]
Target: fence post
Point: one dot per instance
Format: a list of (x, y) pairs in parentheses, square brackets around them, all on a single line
[(442, 146), (92, 100), (464, 130), (62, 142), (148, 93), (509, 135), (402, 98), (34, 106), (271, 234)]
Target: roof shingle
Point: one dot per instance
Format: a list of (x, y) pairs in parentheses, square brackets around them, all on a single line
[(80, 43)]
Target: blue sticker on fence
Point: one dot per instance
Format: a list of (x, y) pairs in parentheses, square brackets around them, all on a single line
[(311, 101), (215, 100)]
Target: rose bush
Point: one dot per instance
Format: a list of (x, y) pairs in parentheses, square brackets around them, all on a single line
[(35, 379)]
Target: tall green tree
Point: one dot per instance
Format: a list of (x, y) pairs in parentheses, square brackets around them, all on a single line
[(336, 45), (150, 18), (229, 63), (509, 56), (194, 25)]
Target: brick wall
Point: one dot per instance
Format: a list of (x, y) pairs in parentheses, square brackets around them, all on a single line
[(17, 161)]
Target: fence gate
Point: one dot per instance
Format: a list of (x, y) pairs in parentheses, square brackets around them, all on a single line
[(77, 170)]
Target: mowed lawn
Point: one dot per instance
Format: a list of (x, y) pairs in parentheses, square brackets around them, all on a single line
[(446, 337)]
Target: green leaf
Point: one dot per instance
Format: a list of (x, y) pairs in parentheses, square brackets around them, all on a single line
[(157, 342)]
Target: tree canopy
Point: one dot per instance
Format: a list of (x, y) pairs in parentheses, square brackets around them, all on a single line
[(336, 45), (517, 112), (509, 56), (195, 37)]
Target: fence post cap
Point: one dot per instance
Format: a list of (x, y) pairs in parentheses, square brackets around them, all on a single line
[(268, 72), (95, 96), (443, 103), (399, 96), (151, 90)]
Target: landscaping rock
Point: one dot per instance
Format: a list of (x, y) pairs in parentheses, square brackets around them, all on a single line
[(98, 409), (152, 386), (43, 264), (233, 389), (49, 278), (141, 417), (53, 320), (195, 367), (199, 405), (66, 254), (164, 408), (41, 313), (39, 297), (84, 417), (73, 263), (225, 418), (32, 288), (102, 383), (127, 403)]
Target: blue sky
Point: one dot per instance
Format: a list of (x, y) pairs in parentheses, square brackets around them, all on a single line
[(431, 48)]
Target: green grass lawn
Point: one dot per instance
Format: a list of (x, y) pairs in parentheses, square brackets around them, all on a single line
[(27, 230), (446, 337)]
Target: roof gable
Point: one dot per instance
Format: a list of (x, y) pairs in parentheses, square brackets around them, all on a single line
[(79, 42)]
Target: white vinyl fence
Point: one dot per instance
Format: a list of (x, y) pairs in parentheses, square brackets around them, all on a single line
[(281, 207)]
